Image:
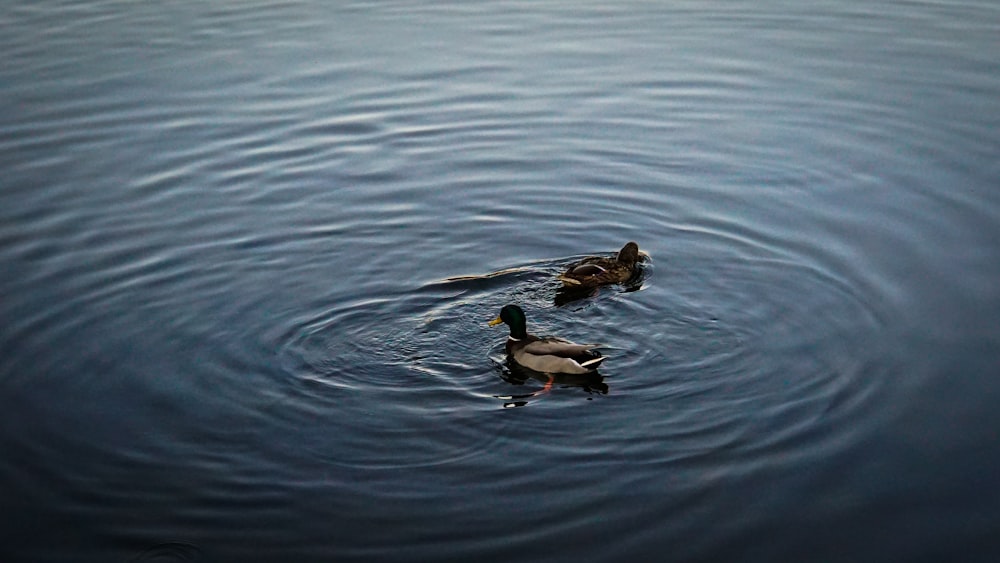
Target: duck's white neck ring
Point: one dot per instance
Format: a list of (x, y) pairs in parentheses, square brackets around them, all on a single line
[(514, 339)]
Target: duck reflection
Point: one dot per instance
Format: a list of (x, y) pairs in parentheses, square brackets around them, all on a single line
[(516, 374)]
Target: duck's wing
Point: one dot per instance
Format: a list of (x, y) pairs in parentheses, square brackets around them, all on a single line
[(557, 347), (558, 363), (589, 269), (581, 271)]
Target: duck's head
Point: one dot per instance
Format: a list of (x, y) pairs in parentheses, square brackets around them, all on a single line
[(513, 316), (629, 254)]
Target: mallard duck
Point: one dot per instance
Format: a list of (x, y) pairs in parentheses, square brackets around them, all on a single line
[(547, 355), (595, 271)]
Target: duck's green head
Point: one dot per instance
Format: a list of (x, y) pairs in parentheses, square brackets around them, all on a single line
[(513, 316)]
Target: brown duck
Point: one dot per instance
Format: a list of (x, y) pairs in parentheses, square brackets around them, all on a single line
[(595, 271)]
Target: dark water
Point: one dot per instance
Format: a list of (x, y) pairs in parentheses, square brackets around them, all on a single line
[(249, 250)]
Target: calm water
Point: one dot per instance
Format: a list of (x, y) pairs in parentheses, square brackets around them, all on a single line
[(249, 250)]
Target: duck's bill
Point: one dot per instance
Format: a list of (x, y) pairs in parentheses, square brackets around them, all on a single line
[(495, 321)]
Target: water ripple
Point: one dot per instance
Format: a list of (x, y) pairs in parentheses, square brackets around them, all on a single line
[(170, 551), (251, 250)]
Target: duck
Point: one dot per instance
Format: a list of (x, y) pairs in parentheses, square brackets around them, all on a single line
[(595, 271), (550, 355)]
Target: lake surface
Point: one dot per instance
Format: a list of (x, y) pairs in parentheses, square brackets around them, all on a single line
[(249, 250)]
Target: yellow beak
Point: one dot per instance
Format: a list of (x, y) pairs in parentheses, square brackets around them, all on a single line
[(496, 321)]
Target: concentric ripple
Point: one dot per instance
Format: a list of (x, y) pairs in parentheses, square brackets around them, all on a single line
[(433, 339), (170, 551), (420, 356), (233, 235), (744, 354)]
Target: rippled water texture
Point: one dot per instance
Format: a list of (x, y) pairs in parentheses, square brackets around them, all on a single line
[(250, 250)]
